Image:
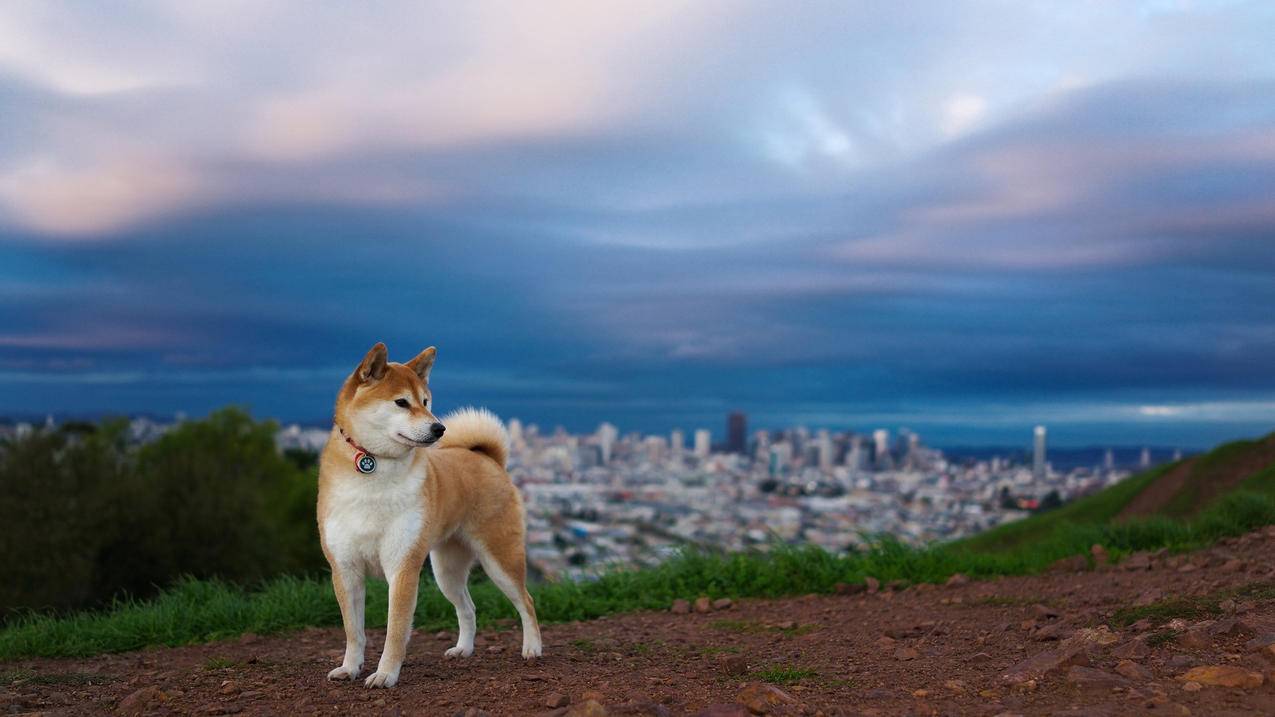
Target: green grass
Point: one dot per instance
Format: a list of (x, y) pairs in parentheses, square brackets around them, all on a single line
[(1191, 607), (781, 675), (201, 611)]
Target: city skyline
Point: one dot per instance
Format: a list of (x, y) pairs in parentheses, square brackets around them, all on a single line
[(964, 218)]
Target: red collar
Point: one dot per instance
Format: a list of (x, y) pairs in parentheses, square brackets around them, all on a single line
[(364, 461)]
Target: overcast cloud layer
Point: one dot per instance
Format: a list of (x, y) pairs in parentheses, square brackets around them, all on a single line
[(964, 217)]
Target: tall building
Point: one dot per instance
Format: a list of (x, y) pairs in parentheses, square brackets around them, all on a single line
[(1109, 461), (1144, 461), (823, 444), (676, 442), (737, 433), (881, 449), (606, 436), (1038, 454), (703, 442)]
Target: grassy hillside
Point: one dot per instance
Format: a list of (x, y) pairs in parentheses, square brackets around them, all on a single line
[(199, 611), (1181, 493)]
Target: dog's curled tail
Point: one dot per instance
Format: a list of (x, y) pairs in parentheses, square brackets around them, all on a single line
[(476, 429)]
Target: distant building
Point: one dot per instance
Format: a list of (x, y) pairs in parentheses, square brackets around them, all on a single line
[(677, 442), (606, 436), (1144, 461), (1039, 467), (1109, 461), (823, 443), (881, 449), (737, 433), (703, 442)]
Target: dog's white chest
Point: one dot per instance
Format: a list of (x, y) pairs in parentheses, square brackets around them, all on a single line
[(374, 522)]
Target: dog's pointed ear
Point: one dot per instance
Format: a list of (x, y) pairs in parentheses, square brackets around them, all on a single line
[(374, 364), (423, 362)]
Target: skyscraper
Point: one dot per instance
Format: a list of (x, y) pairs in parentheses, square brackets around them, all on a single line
[(737, 433), (1144, 461), (703, 440), (1038, 454), (677, 441), (606, 436)]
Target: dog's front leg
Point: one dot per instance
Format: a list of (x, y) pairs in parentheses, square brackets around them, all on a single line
[(348, 584), (403, 588)]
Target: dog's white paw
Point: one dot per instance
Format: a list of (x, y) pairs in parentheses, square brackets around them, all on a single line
[(381, 679), (345, 673), (531, 650), (459, 651)]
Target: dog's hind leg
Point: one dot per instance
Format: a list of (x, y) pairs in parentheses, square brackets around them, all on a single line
[(451, 562), (506, 565)]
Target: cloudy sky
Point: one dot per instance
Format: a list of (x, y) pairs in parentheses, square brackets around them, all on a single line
[(961, 217)]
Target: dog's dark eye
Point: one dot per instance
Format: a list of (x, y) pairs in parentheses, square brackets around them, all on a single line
[(402, 403), (424, 401)]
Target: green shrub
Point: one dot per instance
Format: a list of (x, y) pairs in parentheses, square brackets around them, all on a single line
[(86, 519)]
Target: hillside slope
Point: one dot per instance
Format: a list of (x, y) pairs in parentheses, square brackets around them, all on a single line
[(1155, 636), (1180, 491)]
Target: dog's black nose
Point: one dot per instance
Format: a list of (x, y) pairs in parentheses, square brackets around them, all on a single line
[(437, 429)]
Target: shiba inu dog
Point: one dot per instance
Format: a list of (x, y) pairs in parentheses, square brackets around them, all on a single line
[(397, 484)]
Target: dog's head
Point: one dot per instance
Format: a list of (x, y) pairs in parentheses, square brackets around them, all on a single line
[(386, 406)]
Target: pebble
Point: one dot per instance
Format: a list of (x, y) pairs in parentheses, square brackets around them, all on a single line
[(1224, 676), (556, 699), (722, 603), (1132, 670), (703, 604), (681, 607), (957, 580)]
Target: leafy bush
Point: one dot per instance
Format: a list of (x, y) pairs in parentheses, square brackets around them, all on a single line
[(86, 518)]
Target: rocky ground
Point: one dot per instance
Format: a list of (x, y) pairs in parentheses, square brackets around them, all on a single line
[(1052, 644)]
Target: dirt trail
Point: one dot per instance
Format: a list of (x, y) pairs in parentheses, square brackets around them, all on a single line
[(1218, 480), (1037, 645)]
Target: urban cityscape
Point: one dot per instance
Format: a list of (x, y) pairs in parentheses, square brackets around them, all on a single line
[(609, 499)]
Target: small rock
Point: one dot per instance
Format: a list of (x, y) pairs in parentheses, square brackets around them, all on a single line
[(1132, 650), (761, 698), (1188, 568), (1099, 554), (1142, 625), (681, 607), (1224, 676), (872, 584), (588, 708), (722, 603), (906, 653), (142, 700), (1181, 662), (556, 699), (494, 649), (1192, 686), (1052, 631), (1260, 642), (1137, 561), (848, 588), (703, 604), (1233, 566), (1148, 597), (735, 665), (1197, 638), (1132, 670), (249, 638), (957, 580), (1044, 611), (228, 687), (885, 642), (1091, 678)]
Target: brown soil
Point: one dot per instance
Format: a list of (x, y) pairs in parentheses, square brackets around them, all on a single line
[(1206, 486), (920, 651)]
